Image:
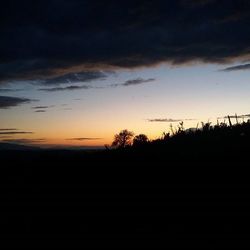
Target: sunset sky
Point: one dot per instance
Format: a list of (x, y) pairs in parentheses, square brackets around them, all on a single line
[(77, 72)]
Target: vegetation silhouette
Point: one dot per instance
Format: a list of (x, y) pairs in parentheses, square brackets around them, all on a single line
[(209, 143), (123, 139), (140, 140)]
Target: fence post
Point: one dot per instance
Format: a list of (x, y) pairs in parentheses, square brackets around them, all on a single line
[(230, 123), (236, 117)]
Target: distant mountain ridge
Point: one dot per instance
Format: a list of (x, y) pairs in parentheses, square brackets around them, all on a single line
[(14, 146)]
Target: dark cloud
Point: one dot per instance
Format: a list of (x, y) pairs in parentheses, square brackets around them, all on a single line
[(238, 67), (52, 40), (169, 120), (14, 132), (196, 3), (8, 101), (71, 87), (136, 81), (83, 139)]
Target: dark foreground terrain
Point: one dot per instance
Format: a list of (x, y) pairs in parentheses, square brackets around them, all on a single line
[(188, 191)]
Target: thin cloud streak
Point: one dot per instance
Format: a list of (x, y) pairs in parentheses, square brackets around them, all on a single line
[(68, 88), (24, 141), (132, 82), (8, 129), (14, 132), (169, 120), (76, 77), (10, 90), (83, 139), (127, 83), (237, 67), (42, 107), (40, 111)]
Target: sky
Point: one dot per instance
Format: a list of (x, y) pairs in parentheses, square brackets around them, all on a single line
[(74, 73)]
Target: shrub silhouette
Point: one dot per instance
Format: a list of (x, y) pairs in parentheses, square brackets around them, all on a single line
[(140, 140), (123, 139), (205, 143), (206, 126)]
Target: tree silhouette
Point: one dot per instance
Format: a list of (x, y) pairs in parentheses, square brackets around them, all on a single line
[(123, 139), (140, 140)]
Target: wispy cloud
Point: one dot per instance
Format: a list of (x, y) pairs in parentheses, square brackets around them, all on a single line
[(8, 129), (127, 83), (132, 82), (9, 90), (24, 141), (40, 111), (68, 88), (77, 77), (8, 101), (237, 67), (169, 120), (83, 139), (14, 132), (137, 81), (42, 107)]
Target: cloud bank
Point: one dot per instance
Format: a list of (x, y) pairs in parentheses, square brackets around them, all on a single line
[(69, 41)]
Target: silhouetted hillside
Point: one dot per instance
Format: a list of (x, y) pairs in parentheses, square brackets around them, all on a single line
[(170, 192), (219, 142)]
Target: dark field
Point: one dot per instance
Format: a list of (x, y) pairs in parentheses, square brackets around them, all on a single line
[(186, 191)]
